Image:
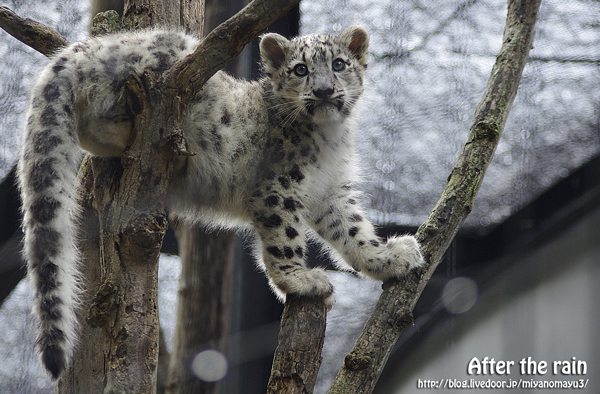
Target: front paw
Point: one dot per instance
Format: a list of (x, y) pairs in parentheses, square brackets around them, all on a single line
[(396, 259), (407, 251)]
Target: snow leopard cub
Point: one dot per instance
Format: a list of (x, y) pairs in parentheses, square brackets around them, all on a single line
[(276, 156)]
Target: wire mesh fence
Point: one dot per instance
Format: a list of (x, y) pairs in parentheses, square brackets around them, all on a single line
[(430, 61)]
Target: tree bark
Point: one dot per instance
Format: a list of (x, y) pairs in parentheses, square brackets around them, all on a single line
[(128, 196), (298, 356), (140, 14), (393, 312)]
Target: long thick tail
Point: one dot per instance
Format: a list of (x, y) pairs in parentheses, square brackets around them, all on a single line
[(47, 175)]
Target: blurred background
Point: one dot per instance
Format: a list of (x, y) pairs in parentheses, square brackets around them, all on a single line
[(519, 281)]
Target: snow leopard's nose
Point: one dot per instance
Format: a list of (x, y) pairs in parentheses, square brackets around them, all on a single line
[(323, 93)]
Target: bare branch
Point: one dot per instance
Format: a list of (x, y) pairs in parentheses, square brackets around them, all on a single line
[(34, 34), (365, 362)]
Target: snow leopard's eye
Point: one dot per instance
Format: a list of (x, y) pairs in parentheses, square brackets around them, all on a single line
[(301, 70), (338, 65)]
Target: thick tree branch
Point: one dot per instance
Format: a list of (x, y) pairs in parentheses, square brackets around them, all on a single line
[(187, 76), (392, 313), (34, 34)]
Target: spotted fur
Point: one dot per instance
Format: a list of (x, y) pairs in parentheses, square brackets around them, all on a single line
[(275, 156)]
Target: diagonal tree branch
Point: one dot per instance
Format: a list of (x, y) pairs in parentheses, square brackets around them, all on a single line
[(393, 312), (222, 44)]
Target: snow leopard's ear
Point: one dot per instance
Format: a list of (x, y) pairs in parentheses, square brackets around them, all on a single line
[(272, 49), (356, 39)]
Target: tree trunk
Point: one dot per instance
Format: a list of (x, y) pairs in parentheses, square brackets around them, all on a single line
[(132, 223), (203, 307), (128, 197), (207, 263)]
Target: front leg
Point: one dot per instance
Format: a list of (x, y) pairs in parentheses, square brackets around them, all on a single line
[(341, 221), (282, 246)]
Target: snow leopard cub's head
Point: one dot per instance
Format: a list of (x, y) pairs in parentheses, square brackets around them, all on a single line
[(316, 76)]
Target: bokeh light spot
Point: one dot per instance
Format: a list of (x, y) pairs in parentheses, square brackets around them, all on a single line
[(460, 295), (210, 365)]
